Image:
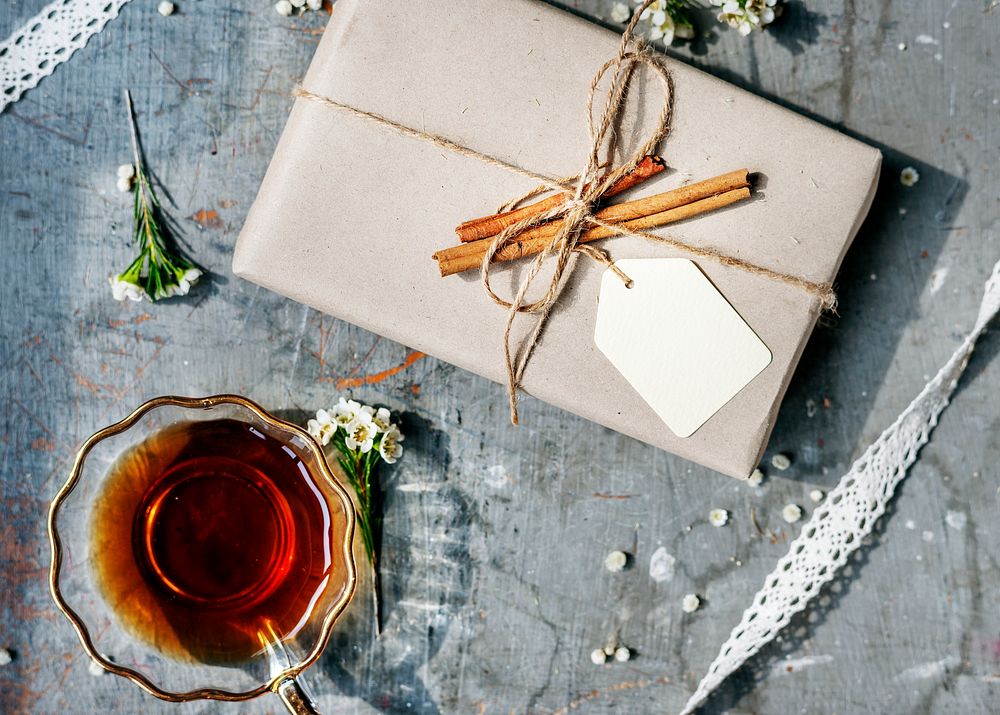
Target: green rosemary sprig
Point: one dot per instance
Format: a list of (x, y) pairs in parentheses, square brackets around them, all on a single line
[(159, 271)]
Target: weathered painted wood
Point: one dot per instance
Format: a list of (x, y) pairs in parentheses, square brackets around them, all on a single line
[(495, 537)]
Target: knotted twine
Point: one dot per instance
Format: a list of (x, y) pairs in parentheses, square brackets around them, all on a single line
[(583, 193)]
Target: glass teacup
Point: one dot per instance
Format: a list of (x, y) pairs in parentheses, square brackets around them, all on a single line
[(180, 558)]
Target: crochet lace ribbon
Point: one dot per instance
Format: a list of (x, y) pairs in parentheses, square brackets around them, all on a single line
[(849, 513), (47, 40)]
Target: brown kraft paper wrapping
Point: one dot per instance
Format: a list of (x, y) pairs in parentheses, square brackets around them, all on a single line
[(345, 198)]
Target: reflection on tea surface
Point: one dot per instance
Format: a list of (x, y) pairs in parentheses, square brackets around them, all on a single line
[(209, 538)]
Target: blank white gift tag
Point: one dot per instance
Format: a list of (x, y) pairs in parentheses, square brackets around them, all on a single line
[(676, 339)]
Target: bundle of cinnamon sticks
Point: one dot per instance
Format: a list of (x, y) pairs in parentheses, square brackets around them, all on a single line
[(638, 215)]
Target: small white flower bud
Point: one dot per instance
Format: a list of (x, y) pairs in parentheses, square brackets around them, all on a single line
[(283, 8), (124, 185), (616, 561), (126, 171), (597, 657), (166, 8), (718, 517), (622, 654), (781, 462), (791, 513), (690, 603)]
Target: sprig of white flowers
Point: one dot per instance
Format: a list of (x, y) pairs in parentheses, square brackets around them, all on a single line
[(669, 19), (362, 436), (159, 271)]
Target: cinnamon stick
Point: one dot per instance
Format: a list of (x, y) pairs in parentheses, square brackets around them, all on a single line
[(470, 255), (641, 214), (491, 225)]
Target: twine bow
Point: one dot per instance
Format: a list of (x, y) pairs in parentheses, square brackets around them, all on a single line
[(577, 211), (582, 192)]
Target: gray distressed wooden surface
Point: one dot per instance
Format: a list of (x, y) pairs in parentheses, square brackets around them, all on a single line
[(495, 537)]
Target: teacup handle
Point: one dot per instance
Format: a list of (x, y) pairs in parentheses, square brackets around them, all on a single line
[(295, 698)]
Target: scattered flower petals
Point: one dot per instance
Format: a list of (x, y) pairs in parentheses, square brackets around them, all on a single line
[(5, 656), (616, 561), (597, 657), (690, 603), (756, 477), (622, 654), (781, 462), (909, 176), (718, 517), (283, 8), (791, 513), (661, 565), (816, 495), (956, 520), (165, 8)]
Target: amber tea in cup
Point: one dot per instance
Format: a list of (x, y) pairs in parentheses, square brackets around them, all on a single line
[(212, 539)]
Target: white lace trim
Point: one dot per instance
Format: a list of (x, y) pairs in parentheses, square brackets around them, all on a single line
[(47, 40), (846, 517)]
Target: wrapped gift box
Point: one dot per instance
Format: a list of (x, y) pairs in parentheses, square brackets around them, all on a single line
[(347, 202)]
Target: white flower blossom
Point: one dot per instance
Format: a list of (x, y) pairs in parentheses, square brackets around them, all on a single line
[(314, 4), (361, 432), (382, 419), (909, 176), (126, 171), (718, 517), (165, 8), (389, 447), (283, 8), (756, 478), (666, 23), (747, 15), (345, 412), (598, 657), (620, 12), (123, 289), (124, 184), (323, 427), (188, 279)]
